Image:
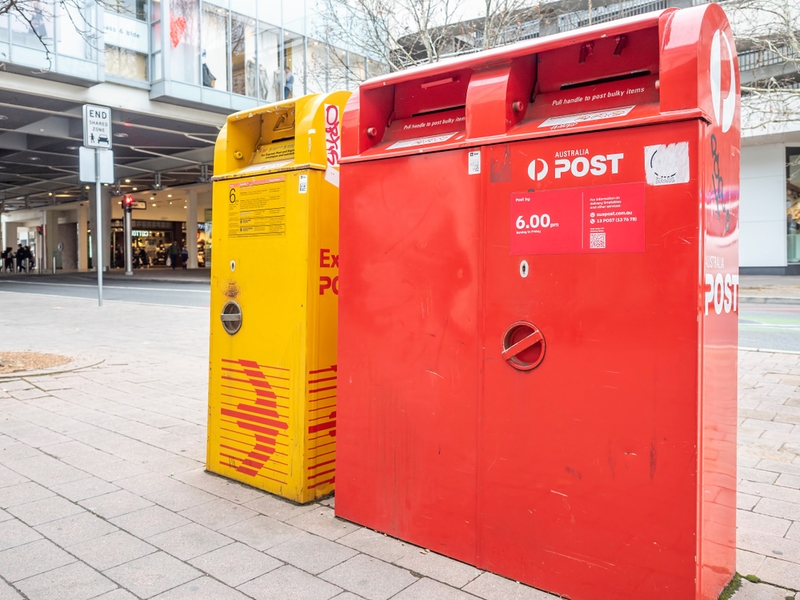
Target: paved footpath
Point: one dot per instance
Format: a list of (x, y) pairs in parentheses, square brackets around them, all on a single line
[(103, 493)]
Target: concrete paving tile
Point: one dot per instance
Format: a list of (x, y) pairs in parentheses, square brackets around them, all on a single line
[(278, 508), (794, 531), (748, 563), (261, 532), (47, 509), (31, 559), (202, 588), (369, 577), (288, 583), (768, 545), (218, 514), (235, 564), (7, 592), (219, 486), (149, 521), (493, 587), (4, 516), (178, 496), (189, 541), (47, 470), (311, 553), (759, 591), (76, 581), (10, 453), (83, 489), (322, 522), (70, 448), (9, 477), (16, 533), (111, 550), (115, 504), (780, 572), (152, 574), (121, 469), (75, 529), (439, 567), (347, 596), (757, 475), (377, 544), (428, 589), (760, 522), (746, 501), (22, 493), (118, 594), (778, 508), (144, 483)]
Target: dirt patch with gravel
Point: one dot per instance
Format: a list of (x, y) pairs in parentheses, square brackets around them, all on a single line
[(18, 362)]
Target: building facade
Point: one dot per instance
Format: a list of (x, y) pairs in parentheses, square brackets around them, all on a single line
[(171, 71)]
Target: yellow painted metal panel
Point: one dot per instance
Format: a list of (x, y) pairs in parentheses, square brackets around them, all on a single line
[(272, 384)]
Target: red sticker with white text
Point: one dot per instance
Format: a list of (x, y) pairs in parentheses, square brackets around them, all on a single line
[(594, 220)]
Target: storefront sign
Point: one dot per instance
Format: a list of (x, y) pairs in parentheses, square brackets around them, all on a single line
[(124, 32)]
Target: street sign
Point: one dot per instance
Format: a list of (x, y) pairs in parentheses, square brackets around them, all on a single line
[(88, 165), (96, 126)]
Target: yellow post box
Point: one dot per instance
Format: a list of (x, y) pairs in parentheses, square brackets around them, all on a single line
[(274, 287)]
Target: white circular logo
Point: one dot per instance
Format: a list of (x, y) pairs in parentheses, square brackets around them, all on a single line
[(723, 109), (533, 173)]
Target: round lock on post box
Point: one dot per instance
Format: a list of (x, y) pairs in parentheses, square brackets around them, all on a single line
[(523, 346), (231, 317)]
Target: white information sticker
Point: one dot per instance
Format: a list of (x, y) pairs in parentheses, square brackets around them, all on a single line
[(667, 164), (577, 119), (303, 184), (474, 162), (332, 175), (421, 141)]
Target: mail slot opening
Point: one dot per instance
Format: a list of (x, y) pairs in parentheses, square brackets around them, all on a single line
[(577, 84)]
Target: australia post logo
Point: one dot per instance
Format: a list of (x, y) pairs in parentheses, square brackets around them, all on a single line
[(333, 144), (722, 77), (575, 163)]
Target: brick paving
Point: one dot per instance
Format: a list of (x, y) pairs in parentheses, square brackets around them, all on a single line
[(103, 492)]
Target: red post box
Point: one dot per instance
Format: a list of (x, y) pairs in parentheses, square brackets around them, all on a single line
[(538, 308)]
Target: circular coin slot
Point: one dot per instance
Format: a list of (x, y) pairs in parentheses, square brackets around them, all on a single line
[(523, 346), (523, 269), (231, 317)]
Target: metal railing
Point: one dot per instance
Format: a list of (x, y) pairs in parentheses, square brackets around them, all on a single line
[(754, 59), (612, 12)]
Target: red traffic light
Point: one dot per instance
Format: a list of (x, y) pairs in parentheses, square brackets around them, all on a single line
[(128, 201)]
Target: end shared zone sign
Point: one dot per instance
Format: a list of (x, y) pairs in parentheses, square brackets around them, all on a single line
[(96, 126)]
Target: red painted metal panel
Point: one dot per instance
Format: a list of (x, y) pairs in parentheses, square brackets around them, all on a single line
[(552, 399)]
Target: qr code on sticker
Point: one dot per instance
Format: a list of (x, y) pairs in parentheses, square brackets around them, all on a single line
[(597, 240)]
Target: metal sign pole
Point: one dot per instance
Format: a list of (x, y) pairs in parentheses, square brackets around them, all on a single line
[(99, 232), (128, 242)]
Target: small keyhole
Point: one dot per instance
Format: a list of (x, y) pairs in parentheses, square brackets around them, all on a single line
[(523, 269)]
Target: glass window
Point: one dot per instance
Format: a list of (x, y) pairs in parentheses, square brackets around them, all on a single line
[(156, 10), (135, 9), (375, 68), (215, 47), (269, 13), (4, 29), (294, 66), (317, 72), (184, 41), (75, 29), (357, 71), (793, 204), (243, 55), (126, 63), (38, 31), (337, 80), (294, 14), (269, 77)]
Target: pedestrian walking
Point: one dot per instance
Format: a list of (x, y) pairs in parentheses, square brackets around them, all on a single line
[(184, 257), (8, 259), (174, 255)]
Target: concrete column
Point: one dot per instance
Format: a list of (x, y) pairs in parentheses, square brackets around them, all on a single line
[(108, 252), (108, 256), (83, 236), (10, 235), (191, 227), (50, 245), (205, 199)]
